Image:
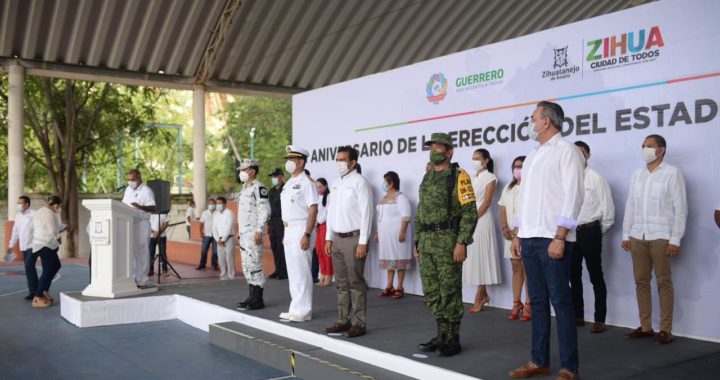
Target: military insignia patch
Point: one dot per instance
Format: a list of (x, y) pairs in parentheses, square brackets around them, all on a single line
[(465, 192), (263, 193)]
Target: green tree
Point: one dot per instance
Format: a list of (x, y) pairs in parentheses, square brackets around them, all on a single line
[(71, 121), (272, 120)]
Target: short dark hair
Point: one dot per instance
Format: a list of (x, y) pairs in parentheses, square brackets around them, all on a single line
[(25, 199), (54, 200), (554, 112), (583, 145), (136, 171), (659, 140), (352, 152), (211, 200), (256, 168), (394, 179), (222, 199)]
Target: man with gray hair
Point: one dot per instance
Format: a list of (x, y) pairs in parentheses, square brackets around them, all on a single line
[(141, 197), (253, 213), (548, 208)]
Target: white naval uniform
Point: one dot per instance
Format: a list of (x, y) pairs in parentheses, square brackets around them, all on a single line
[(253, 213), (222, 230), (143, 196), (298, 195)]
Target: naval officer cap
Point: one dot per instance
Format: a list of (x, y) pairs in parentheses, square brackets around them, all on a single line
[(293, 151), (248, 163), (440, 138)]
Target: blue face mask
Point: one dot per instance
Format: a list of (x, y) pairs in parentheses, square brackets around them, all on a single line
[(532, 133), (275, 181), (220, 207), (211, 207), (385, 187)]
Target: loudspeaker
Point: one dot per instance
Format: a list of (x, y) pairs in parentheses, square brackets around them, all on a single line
[(162, 195)]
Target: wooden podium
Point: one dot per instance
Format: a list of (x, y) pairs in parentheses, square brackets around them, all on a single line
[(111, 237)]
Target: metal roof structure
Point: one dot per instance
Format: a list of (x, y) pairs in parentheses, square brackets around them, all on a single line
[(261, 47)]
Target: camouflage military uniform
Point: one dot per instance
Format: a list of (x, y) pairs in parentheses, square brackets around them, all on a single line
[(253, 213), (438, 231)]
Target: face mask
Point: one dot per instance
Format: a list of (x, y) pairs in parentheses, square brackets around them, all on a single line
[(385, 187), (517, 173), (274, 181), (478, 165), (290, 166), (211, 207), (437, 158), (342, 167), (532, 132), (244, 177), (133, 184), (59, 211), (19, 208), (220, 207), (649, 154)]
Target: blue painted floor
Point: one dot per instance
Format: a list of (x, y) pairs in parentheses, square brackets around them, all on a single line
[(39, 344)]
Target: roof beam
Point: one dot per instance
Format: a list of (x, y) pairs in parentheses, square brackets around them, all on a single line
[(216, 40)]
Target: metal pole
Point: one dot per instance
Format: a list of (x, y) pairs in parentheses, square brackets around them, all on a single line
[(252, 143)]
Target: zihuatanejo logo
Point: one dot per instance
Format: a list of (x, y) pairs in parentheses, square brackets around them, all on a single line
[(626, 49), (436, 88), (561, 69), (479, 80)]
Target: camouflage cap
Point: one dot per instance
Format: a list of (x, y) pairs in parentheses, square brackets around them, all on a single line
[(440, 138), (248, 163)]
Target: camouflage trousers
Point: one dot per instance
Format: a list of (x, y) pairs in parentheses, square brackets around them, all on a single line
[(442, 284), (251, 255)]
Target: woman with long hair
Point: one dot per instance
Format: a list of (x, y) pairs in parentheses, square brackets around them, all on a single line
[(324, 261)]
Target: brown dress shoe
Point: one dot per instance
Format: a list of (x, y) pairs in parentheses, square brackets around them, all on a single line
[(639, 333), (567, 375), (579, 322), (663, 337), (597, 327), (529, 369), (356, 330), (338, 328)]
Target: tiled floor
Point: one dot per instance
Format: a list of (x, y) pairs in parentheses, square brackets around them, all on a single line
[(39, 344)]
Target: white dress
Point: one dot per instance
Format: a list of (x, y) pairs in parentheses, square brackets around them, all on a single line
[(482, 264), (390, 215), (509, 199)]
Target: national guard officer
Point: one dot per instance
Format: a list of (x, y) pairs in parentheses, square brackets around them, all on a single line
[(276, 228), (445, 220), (253, 213)]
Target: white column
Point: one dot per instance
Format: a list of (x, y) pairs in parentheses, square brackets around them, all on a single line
[(16, 134), (199, 186)]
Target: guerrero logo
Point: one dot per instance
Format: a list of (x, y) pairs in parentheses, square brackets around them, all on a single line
[(436, 88)]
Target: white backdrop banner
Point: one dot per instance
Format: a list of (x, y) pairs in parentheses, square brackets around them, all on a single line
[(620, 77)]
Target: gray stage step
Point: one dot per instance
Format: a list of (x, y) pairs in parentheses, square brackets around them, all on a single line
[(310, 362)]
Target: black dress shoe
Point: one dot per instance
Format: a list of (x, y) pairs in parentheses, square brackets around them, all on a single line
[(30, 296), (273, 275)]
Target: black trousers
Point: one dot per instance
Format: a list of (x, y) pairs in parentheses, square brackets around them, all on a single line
[(50, 266), (589, 247), (277, 233), (160, 242)]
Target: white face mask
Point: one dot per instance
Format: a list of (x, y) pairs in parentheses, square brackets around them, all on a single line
[(478, 165), (19, 208), (342, 167), (532, 132), (649, 154), (211, 207), (244, 177), (290, 166), (133, 184)]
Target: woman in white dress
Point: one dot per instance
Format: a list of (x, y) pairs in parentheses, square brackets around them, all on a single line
[(508, 209), (482, 267), (393, 214)]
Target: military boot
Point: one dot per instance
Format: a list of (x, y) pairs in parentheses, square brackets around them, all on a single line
[(451, 344), (256, 303), (244, 304), (435, 342)]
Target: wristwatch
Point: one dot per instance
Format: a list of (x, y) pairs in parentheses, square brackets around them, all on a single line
[(307, 235)]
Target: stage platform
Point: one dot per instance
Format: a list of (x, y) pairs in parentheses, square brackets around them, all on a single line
[(492, 344)]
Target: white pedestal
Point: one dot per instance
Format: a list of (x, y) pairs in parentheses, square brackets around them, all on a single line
[(111, 237)]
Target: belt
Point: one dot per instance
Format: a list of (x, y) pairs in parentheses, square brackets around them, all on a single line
[(347, 234), (595, 223), (446, 225)]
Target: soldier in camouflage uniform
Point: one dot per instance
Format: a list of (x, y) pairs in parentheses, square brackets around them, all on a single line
[(445, 222), (253, 213)]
